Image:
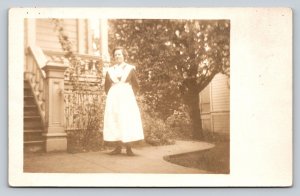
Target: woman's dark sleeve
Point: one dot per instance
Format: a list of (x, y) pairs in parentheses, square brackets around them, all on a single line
[(107, 83), (134, 82)]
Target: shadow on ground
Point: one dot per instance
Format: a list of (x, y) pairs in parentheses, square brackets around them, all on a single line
[(214, 160)]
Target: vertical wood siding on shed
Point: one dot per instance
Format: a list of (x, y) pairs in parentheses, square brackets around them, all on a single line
[(205, 108), (205, 100)]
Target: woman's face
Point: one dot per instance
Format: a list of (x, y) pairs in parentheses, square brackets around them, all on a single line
[(119, 57)]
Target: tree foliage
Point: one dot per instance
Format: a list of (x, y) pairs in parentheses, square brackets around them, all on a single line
[(175, 59)]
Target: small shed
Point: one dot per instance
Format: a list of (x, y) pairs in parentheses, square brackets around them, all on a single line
[(214, 103)]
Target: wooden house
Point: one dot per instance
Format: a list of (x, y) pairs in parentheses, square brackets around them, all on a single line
[(45, 82)]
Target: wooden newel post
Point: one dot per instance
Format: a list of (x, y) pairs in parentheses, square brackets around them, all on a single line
[(55, 135)]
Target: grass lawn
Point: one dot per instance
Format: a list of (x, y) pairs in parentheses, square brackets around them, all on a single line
[(214, 160)]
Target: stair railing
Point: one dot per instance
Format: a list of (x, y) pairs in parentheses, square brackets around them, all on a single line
[(86, 73), (36, 77)]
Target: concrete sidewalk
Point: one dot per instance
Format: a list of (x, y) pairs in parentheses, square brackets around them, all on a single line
[(148, 159)]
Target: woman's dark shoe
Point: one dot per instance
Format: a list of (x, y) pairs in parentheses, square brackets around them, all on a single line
[(129, 151), (116, 151)]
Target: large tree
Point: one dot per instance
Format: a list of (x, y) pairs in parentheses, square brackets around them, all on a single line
[(175, 59)]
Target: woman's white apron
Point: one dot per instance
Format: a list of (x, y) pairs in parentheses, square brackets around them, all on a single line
[(122, 119)]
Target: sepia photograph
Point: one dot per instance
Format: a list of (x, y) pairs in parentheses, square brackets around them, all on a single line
[(138, 95), (157, 91)]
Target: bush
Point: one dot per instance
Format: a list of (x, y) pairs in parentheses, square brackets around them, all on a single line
[(88, 138), (180, 123), (84, 140), (155, 130)]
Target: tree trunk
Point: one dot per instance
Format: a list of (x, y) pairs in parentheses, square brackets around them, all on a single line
[(192, 101)]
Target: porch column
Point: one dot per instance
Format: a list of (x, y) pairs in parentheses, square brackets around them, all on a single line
[(104, 44), (55, 135)]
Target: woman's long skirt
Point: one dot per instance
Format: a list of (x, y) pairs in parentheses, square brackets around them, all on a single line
[(122, 119)]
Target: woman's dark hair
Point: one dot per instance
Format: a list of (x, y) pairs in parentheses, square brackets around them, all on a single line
[(125, 54)]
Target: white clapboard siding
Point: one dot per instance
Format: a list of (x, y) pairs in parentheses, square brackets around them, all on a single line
[(45, 31), (220, 93), (47, 37), (221, 122), (215, 105)]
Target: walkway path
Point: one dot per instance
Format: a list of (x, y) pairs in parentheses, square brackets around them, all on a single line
[(148, 159)]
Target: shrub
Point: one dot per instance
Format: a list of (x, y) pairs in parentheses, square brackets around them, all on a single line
[(78, 141), (155, 130), (180, 123), (88, 137)]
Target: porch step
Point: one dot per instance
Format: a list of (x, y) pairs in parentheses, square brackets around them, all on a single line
[(26, 84), (29, 100), (33, 135), (30, 110), (33, 129), (32, 122), (27, 91), (32, 117), (34, 146)]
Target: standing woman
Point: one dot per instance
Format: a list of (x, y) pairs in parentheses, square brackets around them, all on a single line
[(122, 119)]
